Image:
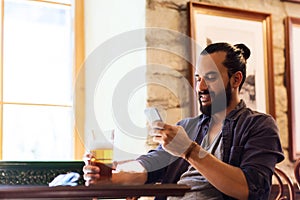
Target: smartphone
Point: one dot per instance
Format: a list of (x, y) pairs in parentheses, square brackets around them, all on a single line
[(152, 115)]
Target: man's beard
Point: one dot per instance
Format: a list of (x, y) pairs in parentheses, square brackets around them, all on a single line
[(218, 104)]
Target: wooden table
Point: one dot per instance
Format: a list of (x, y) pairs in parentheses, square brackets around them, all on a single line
[(107, 191)]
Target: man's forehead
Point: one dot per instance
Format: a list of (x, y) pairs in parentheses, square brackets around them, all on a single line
[(210, 63), (206, 66)]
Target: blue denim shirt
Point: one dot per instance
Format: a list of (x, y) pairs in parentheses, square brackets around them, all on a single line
[(250, 141)]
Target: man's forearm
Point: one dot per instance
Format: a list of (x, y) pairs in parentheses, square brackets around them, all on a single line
[(228, 179), (129, 172), (129, 177)]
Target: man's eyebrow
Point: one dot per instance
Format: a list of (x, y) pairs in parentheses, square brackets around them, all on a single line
[(208, 73)]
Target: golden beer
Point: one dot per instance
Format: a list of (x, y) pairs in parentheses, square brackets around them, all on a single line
[(104, 155)]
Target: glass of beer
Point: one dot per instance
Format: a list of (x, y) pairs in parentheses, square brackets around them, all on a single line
[(102, 151)]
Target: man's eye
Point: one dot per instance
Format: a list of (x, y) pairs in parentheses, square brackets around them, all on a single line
[(210, 77)]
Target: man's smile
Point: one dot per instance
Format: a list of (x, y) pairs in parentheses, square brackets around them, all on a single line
[(205, 99)]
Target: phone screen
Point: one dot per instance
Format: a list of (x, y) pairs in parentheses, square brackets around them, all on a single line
[(152, 115)]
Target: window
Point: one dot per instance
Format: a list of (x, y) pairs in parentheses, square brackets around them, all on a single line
[(37, 77)]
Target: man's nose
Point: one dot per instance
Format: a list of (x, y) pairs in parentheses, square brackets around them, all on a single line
[(201, 85)]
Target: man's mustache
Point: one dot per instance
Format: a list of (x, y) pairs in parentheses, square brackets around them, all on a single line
[(203, 92)]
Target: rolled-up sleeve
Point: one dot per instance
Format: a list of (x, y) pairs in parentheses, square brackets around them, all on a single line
[(259, 155), (156, 162)]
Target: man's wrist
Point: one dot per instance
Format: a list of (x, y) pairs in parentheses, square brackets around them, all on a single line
[(202, 153), (189, 150)]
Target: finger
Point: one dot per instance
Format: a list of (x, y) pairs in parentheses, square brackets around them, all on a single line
[(91, 169), (87, 183), (87, 161), (157, 139), (90, 182), (155, 133), (158, 125), (87, 157), (91, 177)]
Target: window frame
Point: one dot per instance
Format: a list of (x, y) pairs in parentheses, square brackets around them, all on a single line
[(79, 55)]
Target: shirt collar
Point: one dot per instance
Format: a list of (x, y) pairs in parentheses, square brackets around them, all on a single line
[(231, 116)]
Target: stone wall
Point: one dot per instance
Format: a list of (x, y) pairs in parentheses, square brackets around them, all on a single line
[(173, 15)]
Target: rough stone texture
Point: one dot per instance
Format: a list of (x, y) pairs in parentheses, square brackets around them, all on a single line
[(174, 15), (279, 63), (168, 59)]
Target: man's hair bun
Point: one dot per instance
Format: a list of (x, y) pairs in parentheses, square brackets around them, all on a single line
[(245, 50)]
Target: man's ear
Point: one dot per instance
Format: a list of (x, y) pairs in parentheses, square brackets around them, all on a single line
[(236, 79)]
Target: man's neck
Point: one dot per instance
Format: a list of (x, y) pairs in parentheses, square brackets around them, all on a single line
[(220, 116)]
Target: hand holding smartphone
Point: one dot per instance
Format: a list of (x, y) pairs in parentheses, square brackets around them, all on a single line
[(153, 115)]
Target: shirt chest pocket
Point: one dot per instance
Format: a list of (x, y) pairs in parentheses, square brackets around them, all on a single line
[(235, 155)]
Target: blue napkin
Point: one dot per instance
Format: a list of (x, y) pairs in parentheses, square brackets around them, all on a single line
[(68, 179)]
